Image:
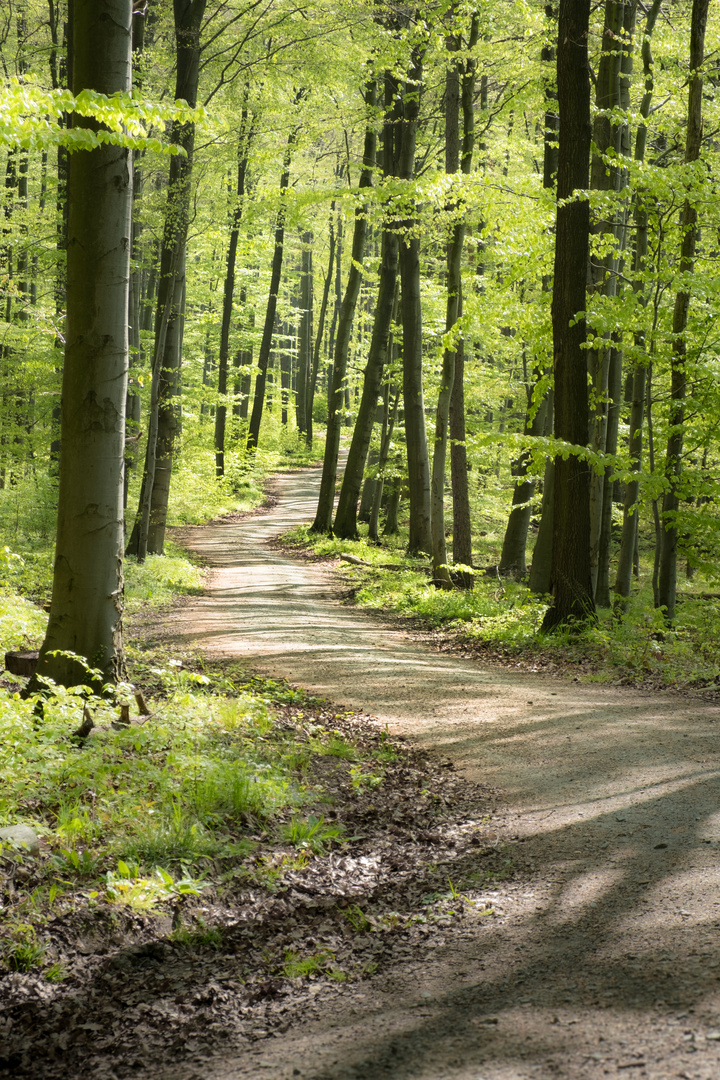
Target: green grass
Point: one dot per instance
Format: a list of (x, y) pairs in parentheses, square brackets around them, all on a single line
[(501, 618)]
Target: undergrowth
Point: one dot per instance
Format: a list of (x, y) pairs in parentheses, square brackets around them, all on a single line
[(173, 804), (500, 618)]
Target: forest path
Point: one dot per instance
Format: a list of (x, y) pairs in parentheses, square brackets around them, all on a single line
[(604, 955)]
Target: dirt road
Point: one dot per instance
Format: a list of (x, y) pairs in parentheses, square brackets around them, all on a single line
[(605, 955)]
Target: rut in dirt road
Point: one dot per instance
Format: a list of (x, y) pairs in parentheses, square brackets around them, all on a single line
[(604, 954)]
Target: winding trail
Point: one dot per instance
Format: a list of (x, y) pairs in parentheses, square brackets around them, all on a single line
[(605, 956)]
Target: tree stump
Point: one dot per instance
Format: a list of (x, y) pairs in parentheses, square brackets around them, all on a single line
[(21, 663)]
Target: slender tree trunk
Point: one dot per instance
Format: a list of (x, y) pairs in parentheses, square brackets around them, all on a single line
[(631, 508), (244, 141), (321, 327), (615, 372), (323, 516), (512, 556), (603, 271), (667, 571), (573, 599), (276, 271), (389, 417), (385, 310), (540, 580), (149, 530), (440, 568), (305, 334), (86, 607), (420, 539)]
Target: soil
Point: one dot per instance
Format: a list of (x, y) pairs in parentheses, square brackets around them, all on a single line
[(568, 834)]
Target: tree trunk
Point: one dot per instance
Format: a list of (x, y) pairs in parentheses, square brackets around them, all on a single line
[(420, 538), (459, 94), (573, 599), (615, 372), (603, 271), (540, 580), (244, 140), (323, 516), (169, 315), (321, 328), (276, 271), (631, 507), (667, 569), (86, 608), (389, 417), (305, 334), (512, 556), (346, 516)]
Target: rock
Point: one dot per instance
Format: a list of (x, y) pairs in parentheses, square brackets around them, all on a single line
[(21, 836)]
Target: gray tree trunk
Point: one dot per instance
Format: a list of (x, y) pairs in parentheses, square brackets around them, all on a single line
[(326, 500), (275, 273), (631, 507), (86, 607), (346, 517), (244, 140), (321, 328), (148, 533), (667, 566), (420, 538)]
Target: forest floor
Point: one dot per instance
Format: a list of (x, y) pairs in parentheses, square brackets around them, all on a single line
[(601, 954), (533, 891)]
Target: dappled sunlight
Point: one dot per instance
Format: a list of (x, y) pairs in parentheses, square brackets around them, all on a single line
[(606, 819)]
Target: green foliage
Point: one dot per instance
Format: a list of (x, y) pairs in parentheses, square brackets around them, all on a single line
[(501, 616), (313, 833), (160, 578), (30, 117)]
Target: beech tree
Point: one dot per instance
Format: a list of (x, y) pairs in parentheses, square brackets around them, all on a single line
[(678, 384), (85, 624), (572, 588)]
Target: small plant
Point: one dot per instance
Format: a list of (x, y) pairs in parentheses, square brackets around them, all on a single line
[(335, 746), (358, 919), (56, 973), (299, 967), (337, 974), (128, 887), (23, 951), (198, 937), (83, 863), (312, 832), (363, 778)]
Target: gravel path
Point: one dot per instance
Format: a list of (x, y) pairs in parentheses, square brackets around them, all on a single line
[(604, 957)]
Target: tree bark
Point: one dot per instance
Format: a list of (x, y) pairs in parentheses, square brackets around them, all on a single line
[(275, 273), (667, 568), (631, 507), (149, 530), (323, 515), (244, 140), (572, 589), (321, 328), (305, 335), (86, 607), (440, 569), (346, 517), (420, 538)]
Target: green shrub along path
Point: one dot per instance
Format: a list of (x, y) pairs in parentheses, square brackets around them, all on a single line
[(600, 953)]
